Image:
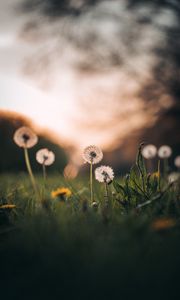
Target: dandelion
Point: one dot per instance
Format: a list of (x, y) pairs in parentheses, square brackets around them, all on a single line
[(7, 206), (105, 174), (164, 151), (149, 151), (24, 137), (177, 161), (173, 177), (61, 193), (163, 223), (45, 158), (93, 155), (94, 205), (155, 175)]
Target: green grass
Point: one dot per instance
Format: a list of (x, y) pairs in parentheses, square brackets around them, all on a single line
[(52, 249)]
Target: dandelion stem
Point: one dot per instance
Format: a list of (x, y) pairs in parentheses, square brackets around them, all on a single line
[(91, 181), (28, 165), (106, 195), (159, 174), (165, 161), (44, 171)]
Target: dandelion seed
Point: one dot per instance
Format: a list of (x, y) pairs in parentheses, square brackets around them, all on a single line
[(104, 174), (177, 161), (164, 151), (46, 157), (149, 151), (173, 177), (92, 154), (61, 193), (94, 205), (24, 137)]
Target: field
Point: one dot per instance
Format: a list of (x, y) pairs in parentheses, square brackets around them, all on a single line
[(124, 246)]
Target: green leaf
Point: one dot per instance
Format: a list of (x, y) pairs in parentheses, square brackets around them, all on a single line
[(119, 188), (140, 162), (153, 183), (135, 193), (134, 176)]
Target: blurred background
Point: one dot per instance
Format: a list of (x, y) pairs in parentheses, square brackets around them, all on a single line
[(83, 72)]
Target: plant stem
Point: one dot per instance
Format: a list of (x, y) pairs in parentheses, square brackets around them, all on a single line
[(44, 172), (28, 165), (106, 195), (91, 182), (165, 161), (159, 178), (139, 160)]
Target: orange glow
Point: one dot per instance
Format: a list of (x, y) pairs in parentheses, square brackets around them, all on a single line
[(99, 109), (70, 171)]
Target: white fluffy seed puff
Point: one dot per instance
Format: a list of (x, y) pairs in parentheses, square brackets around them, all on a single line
[(92, 154), (164, 151), (177, 161), (173, 177), (149, 151), (24, 137), (104, 174), (45, 157)]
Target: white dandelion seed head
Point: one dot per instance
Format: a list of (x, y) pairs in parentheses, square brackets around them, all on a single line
[(24, 137), (164, 151), (44, 156), (94, 205), (104, 174), (92, 154), (149, 151), (173, 177), (177, 161)]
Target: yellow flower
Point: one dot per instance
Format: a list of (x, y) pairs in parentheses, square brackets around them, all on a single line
[(155, 175), (163, 223), (7, 206), (61, 192)]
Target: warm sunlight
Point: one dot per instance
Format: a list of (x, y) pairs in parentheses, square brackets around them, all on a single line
[(43, 109), (89, 149)]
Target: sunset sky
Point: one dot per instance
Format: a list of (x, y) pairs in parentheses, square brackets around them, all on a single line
[(78, 91)]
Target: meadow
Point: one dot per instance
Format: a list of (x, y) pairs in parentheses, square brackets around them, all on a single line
[(90, 239)]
